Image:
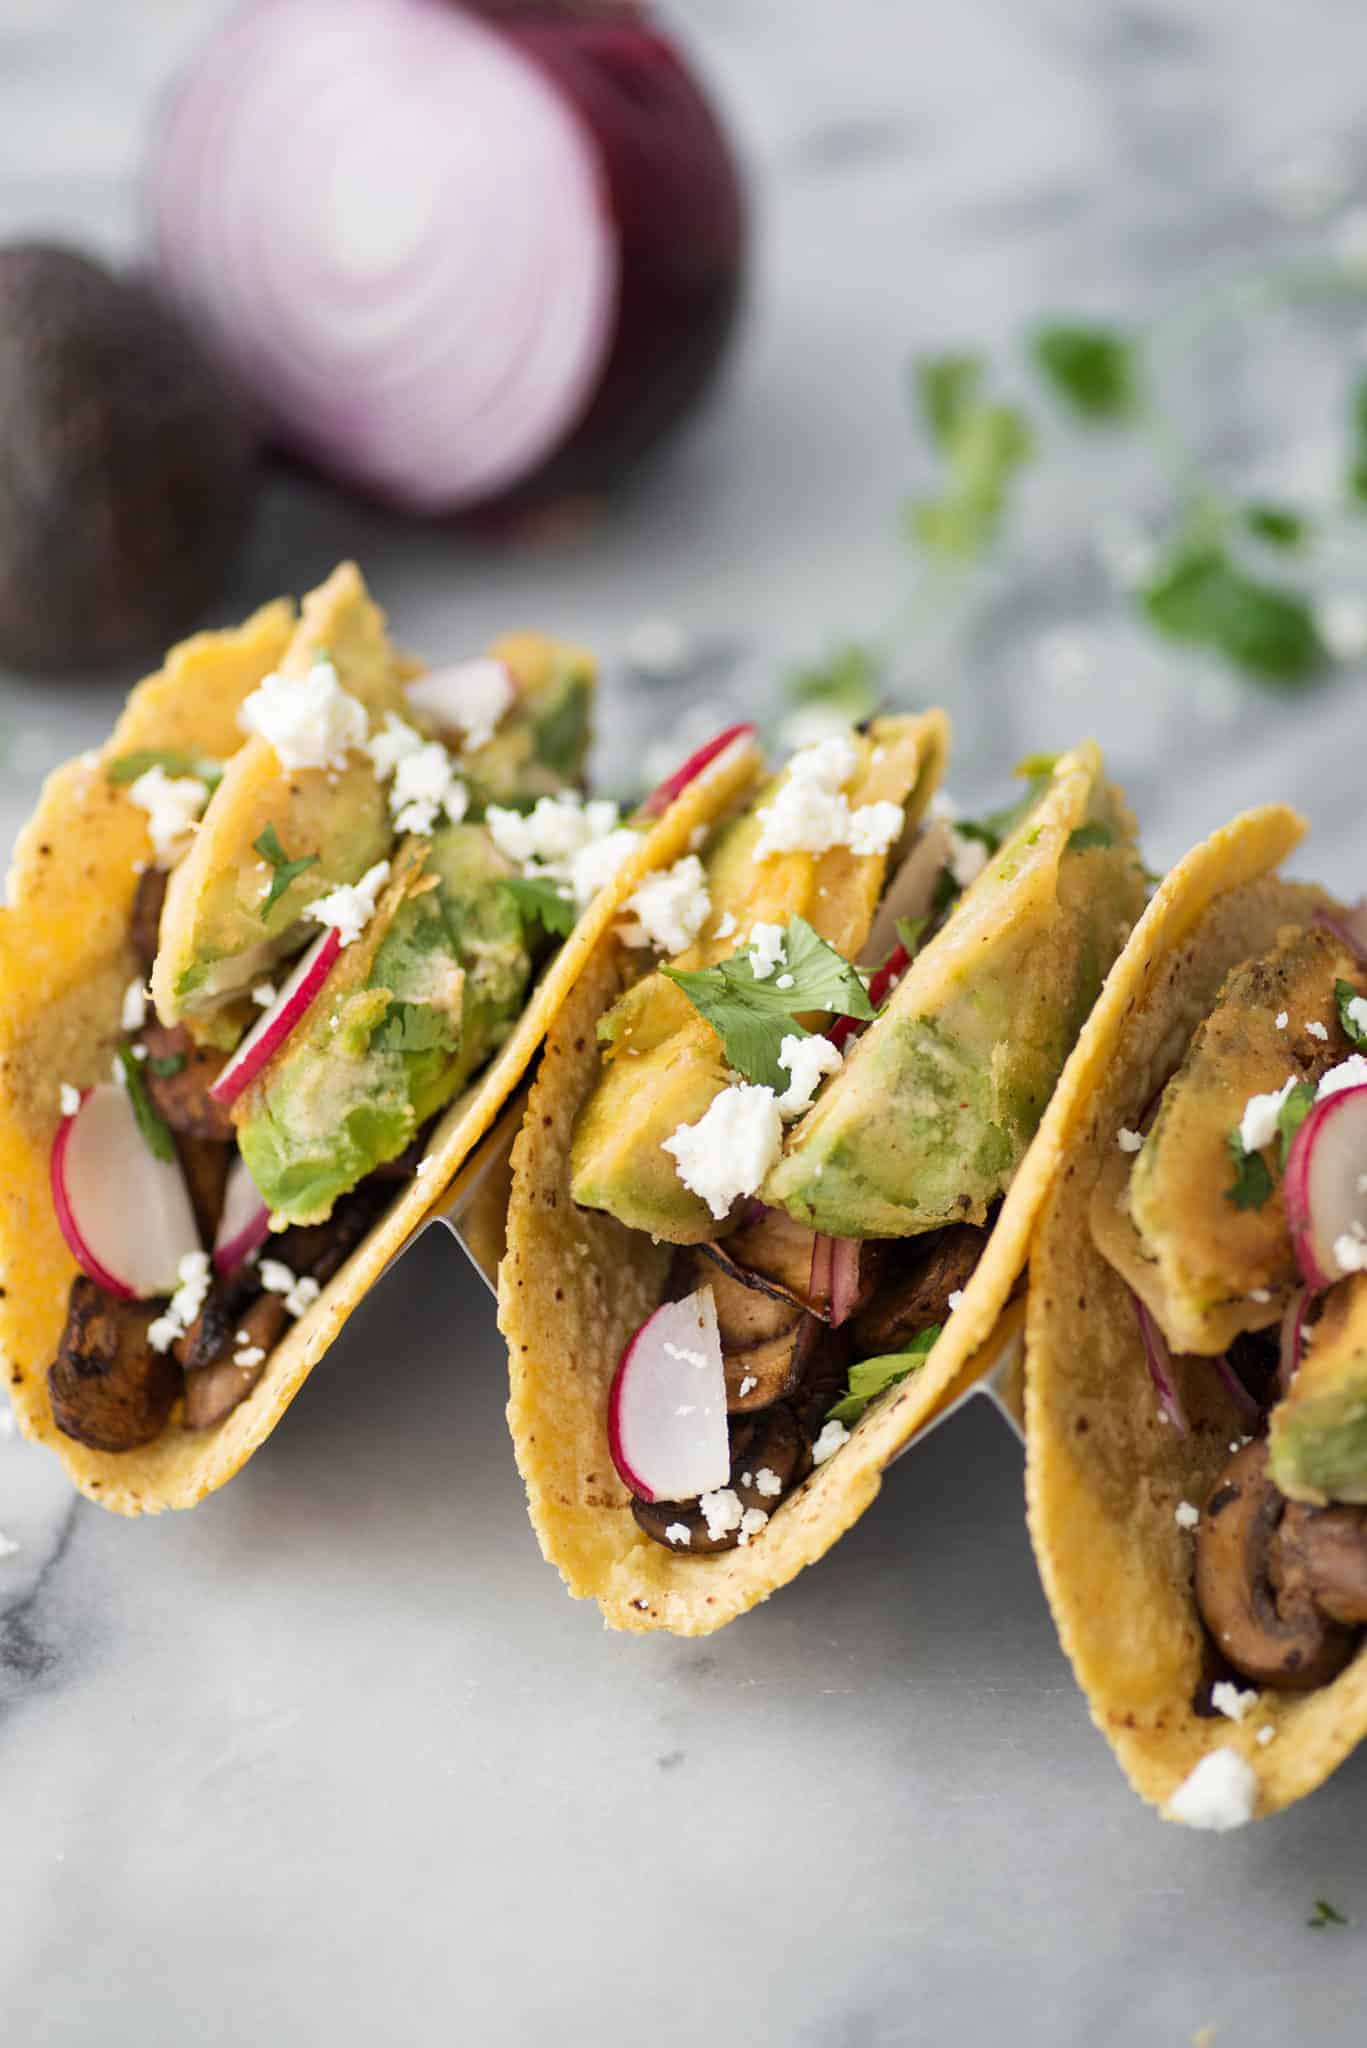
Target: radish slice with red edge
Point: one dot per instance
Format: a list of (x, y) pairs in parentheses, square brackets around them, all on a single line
[(659, 800), (1324, 1203), (448, 257), (1292, 1339), (245, 1222), (125, 1214), (271, 1030), (667, 1406), (1159, 1361)]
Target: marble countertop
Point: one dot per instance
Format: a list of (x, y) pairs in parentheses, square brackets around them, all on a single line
[(334, 1758)]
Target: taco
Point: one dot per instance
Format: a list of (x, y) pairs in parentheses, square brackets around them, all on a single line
[(771, 1196), (1196, 1387), (273, 960)]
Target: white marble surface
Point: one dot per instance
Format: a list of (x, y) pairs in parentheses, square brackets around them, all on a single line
[(333, 1758)]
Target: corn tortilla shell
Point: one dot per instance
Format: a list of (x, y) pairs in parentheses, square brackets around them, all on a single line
[(65, 960), (1103, 1475)]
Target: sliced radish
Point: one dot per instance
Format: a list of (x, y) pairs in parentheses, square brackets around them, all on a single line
[(245, 1222), (667, 1408), (468, 698), (1324, 1202), (659, 800), (271, 1030), (124, 1213)]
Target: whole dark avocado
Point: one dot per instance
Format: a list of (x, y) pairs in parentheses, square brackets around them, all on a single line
[(126, 466)]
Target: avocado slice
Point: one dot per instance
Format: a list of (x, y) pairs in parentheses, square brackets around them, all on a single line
[(662, 1064), (1193, 1255), (432, 986), (216, 937), (1318, 1434), (931, 1114)]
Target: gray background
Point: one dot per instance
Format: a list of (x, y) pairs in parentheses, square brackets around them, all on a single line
[(334, 1758)]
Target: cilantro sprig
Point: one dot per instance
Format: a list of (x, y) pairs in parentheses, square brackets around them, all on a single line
[(540, 902), (1093, 369), (1252, 1183), (155, 1131), (1292, 1115), (284, 869), (873, 1376), (753, 1016), (1201, 595), (1345, 995)]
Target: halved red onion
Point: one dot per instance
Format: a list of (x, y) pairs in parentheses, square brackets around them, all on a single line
[(819, 1280), (1292, 1339), (245, 1222), (846, 1256), (1348, 926), (1324, 1198), (1249, 1411), (667, 1405), (659, 800), (1159, 1361), (125, 1214), (451, 257), (274, 1026)]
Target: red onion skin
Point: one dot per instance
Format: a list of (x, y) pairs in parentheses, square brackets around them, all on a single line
[(1292, 1339), (673, 190), (1158, 1360), (1349, 927)]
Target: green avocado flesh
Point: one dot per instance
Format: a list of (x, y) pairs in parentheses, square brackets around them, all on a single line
[(1203, 1254), (1318, 1434), (542, 744), (931, 1114), (430, 989), (662, 1065)]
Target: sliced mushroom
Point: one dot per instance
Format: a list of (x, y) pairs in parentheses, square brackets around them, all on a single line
[(183, 1097), (212, 1391), (747, 1313), (148, 898), (107, 1386), (771, 1444), (767, 1372), (944, 1263), (1275, 1636), (204, 1165), (1320, 1554), (235, 1304), (776, 1252)]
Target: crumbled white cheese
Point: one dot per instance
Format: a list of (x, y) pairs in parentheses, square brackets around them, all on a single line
[(264, 994), (679, 1533), (248, 1354), (875, 827), (1227, 1699), (70, 1099), (1260, 1294), (1129, 1141), (1317, 1030), (393, 743), (809, 812), (953, 1299), (767, 1483), (726, 924), (967, 858), (275, 1276), (311, 721), (173, 804), (1349, 1073), (1281, 1020), (8, 1546), (833, 1435), (731, 1148), (302, 1295), (751, 1522), (116, 1072), (1350, 1250), (425, 787), (134, 1013), (784, 981), (1185, 1515), (1219, 1792), (194, 1275), (563, 838), (349, 908), (721, 1511), (299, 1294), (766, 944), (808, 1059), (684, 1355), (670, 907), (473, 696), (747, 1386), (1266, 1735), (1258, 1124)]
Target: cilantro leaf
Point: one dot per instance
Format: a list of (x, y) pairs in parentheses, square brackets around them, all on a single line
[(1252, 1183), (995, 827), (946, 386), (165, 1065), (848, 682), (1092, 368), (269, 847), (1199, 595), (1278, 525), (156, 1134), (1292, 1115), (1094, 833), (413, 1027), (984, 446), (561, 734), (202, 767), (752, 1017), (910, 932), (1344, 996), (1326, 1915), (540, 902), (873, 1376)]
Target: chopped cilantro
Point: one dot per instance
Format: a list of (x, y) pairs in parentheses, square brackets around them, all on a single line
[(873, 1376), (164, 1065), (1093, 833), (156, 1134), (561, 734), (911, 931), (285, 870), (1198, 594), (540, 902), (1092, 368), (128, 767), (1292, 1115), (413, 1027), (984, 446), (946, 386), (848, 682), (753, 1017), (1344, 995), (1278, 525), (1252, 1183), (996, 827), (1326, 1915)]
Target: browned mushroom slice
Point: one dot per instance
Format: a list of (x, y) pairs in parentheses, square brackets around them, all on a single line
[(1321, 1553), (107, 1386), (769, 1455), (1276, 1636), (204, 1165), (775, 1252), (182, 1095), (213, 1391), (148, 898), (944, 1263), (747, 1314), (322, 1249), (232, 1305)]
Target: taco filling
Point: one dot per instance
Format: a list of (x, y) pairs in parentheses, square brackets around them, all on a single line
[(821, 1095), (338, 928), (1237, 1215)]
